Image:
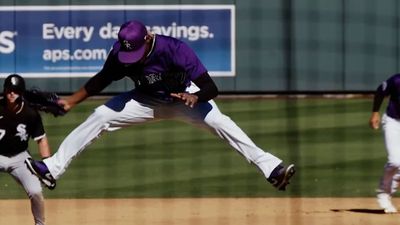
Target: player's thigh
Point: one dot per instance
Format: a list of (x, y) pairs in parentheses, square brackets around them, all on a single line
[(4, 163), (391, 132), (23, 176), (206, 114), (123, 109)]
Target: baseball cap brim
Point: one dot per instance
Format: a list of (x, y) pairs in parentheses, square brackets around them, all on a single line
[(129, 56)]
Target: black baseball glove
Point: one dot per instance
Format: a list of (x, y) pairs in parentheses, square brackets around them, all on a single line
[(44, 101)]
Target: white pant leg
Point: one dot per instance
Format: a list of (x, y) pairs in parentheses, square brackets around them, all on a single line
[(126, 111), (391, 132), (391, 129), (209, 116), (228, 130), (31, 185), (395, 182)]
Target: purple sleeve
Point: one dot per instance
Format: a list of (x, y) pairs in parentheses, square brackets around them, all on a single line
[(384, 90), (390, 86), (186, 59)]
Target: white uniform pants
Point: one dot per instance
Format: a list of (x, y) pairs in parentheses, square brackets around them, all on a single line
[(16, 167), (132, 108), (391, 131)]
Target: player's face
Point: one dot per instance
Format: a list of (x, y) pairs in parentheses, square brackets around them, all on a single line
[(12, 95)]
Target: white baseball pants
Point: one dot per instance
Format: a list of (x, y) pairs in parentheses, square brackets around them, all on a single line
[(391, 132), (132, 108), (16, 167)]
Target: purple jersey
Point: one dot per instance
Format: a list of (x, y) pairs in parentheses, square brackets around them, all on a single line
[(170, 63), (390, 87), (170, 54)]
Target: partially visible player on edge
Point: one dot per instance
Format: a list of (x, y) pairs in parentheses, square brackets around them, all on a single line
[(170, 83), (18, 123), (391, 130)]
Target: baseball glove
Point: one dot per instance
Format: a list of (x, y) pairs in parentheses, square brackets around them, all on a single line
[(44, 101)]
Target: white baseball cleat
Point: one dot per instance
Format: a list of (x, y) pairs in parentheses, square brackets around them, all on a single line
[(385, 202)]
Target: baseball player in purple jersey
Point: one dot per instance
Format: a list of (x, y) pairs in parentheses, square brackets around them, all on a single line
[(170, 83), (391, 130), (18, 123)]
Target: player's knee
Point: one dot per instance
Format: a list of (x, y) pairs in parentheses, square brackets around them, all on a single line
[(217, 120), (34, 189), (36, 194)]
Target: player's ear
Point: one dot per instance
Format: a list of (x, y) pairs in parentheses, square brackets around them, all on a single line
[(148, 38)]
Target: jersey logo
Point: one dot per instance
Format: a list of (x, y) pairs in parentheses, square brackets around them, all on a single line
[(153, 78), (21, 128)]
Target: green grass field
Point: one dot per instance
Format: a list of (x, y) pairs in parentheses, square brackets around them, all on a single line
[(329, 140)]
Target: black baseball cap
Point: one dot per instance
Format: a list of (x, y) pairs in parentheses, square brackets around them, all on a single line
[(14, 82)]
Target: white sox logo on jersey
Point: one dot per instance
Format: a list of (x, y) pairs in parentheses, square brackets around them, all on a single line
[(21, 128)]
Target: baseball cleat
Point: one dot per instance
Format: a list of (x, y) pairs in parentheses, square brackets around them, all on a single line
[(385, 202), (39, 169), (281, 180)]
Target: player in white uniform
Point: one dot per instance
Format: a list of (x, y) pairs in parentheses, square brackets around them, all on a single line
[(391, 130), (170, 83), (18, 123)]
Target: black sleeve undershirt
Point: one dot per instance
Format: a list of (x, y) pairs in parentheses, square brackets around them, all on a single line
[(208, 89), (109, 73), (97, 83), (378, 99)]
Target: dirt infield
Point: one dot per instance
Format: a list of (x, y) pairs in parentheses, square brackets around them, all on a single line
[(207, 211)]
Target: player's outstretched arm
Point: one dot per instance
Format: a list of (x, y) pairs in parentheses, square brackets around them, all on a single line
[(74, 99)]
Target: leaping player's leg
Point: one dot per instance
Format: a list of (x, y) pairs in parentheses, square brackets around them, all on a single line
[(208, 115), (120, 111), (77, 140)]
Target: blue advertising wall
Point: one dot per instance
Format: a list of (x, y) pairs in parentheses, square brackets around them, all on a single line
[(248, 46), (66, 41)]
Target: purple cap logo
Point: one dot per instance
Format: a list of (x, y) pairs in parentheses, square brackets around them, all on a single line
[(131, 44), (127, 45)]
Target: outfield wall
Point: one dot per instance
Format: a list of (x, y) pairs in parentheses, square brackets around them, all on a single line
[(287, 45)]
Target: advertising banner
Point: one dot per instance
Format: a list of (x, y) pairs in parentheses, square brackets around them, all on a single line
[(73, 41)]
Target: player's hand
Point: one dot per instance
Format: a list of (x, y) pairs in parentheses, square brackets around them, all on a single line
[(375, 120), (65, 104), (189, 99)]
